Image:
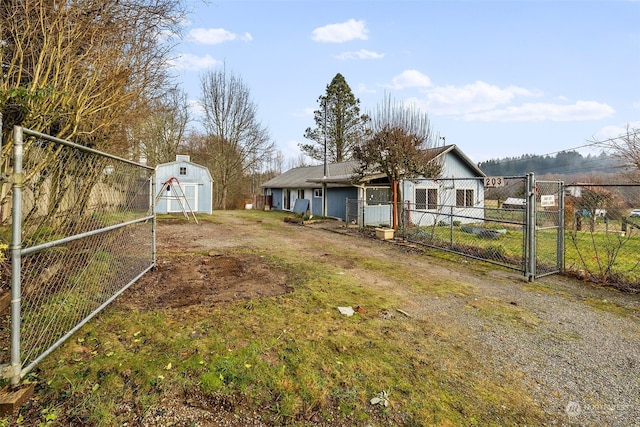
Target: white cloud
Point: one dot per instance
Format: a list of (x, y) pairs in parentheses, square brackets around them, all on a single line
[(409, 79), (306, 112), (190, 62), (360, 54), (537, 112), (481, 101), (340, 33), (636, 105), (614, 131), (364, 89), (474, 97), (211, 36)]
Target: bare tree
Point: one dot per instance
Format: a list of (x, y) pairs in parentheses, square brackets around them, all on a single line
[(299, 161), (75, 69), (237, 144), (162, 133), (401, 146), (627, 149)]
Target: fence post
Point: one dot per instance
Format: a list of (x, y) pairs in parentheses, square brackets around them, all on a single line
[(560, 258), (154, 224), (530, 228), (451, 225), (16, 256)]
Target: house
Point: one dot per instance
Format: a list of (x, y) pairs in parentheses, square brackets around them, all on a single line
[(457, 193), (373, 193), (183, 186), (308, 182)]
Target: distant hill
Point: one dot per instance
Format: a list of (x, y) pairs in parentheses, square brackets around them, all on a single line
[(563, 163)]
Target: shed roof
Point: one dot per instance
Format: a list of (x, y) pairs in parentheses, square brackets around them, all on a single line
[(180, 160)]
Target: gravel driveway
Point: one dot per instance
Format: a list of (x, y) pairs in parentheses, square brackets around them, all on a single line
[(577, 348)]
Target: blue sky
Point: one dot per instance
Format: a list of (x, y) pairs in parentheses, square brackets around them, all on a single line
[(497, 78)]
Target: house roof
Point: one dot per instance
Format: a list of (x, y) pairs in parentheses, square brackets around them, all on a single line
[(341, 174), (310, 176)]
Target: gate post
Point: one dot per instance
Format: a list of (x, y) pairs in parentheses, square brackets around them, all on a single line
[(154, 223), (16, 256), (530, 229), (560, 256)]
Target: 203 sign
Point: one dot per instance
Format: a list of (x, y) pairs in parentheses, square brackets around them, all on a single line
[(494, 181)]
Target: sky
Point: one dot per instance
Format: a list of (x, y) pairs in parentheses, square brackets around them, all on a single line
[(497, 78)]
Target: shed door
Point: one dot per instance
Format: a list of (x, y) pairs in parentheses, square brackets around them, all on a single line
[(191, 195)]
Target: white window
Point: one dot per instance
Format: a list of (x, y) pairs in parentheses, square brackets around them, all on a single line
[(464, 198), (317, 192), (426, 198), (300, 194), (183, 170)]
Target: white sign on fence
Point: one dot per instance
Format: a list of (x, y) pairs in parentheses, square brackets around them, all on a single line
[(548, 200)]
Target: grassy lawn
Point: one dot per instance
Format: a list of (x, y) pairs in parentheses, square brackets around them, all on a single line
[(292, 358), (602, 254)]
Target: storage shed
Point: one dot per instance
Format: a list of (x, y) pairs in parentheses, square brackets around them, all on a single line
[(182, 184)]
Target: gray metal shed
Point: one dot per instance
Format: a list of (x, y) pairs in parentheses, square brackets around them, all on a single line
[(195, 192)]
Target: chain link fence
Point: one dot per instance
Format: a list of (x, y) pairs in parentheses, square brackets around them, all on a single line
[(465, 216), (79, 228), (538, 227), (369, 213), (602, 225)]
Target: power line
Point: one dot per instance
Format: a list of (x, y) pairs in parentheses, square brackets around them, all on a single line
[(590, 144)]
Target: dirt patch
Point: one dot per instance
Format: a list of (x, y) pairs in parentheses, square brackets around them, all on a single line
[(197, 265), (188, 280)]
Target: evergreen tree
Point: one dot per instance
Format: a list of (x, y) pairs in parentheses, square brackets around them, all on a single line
[(339, 124)]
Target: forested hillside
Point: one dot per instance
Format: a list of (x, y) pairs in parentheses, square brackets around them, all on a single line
[(563, 163)]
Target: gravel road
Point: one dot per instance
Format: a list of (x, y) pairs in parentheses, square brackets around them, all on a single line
[(578, 349)]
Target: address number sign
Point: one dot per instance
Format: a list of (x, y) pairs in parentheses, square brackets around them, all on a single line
[(494, 181)]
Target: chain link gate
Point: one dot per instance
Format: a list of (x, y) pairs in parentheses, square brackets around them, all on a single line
[(547, 233), (82, 229), (507, 221)]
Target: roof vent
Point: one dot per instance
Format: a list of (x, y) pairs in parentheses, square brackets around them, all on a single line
[(183, 158)]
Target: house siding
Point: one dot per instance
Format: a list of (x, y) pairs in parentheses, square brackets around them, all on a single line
[(336, 201), (456, 175)]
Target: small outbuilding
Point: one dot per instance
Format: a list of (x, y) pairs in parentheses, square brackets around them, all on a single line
[(182, 186)]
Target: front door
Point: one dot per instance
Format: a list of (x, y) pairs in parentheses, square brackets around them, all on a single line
[(186, 199)]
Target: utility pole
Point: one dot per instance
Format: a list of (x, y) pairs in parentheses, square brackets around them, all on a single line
[(324, 178)]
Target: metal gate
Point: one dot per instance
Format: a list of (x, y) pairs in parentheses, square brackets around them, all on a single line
[(514, 222), (82, 227), (546, 207)]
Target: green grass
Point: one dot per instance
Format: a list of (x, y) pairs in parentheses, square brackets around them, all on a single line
[(606, 256), (292, 356)]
